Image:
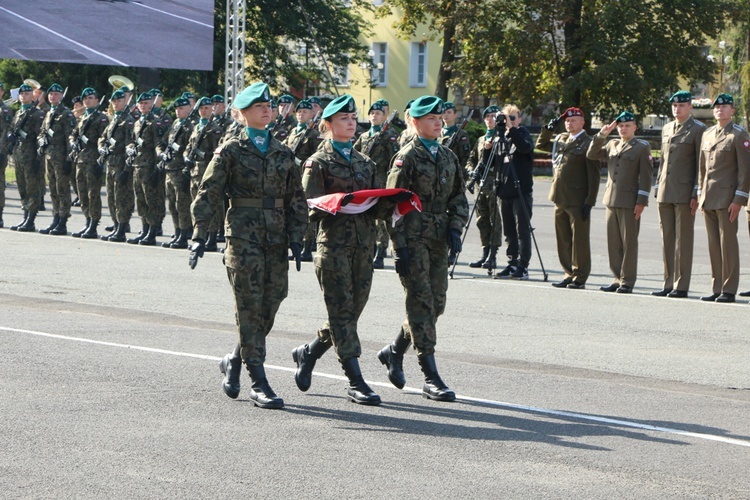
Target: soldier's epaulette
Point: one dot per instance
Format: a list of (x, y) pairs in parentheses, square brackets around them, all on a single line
[(645, 143), (738, 128)]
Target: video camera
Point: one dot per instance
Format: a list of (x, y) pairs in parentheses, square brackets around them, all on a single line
[(501, 119)]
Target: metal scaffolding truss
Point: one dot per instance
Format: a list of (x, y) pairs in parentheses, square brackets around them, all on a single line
[(234, 65)]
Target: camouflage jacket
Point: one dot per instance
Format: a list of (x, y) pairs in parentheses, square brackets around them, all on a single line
[(327, 172), (28, 134), (89, 142), (175, 140), (267, 205), (478, 156), (147, 132), (440, 186), (382, 146), (461, 145), (58, 126), (202, 151), (118, 134), (307, 147), (6, 119)]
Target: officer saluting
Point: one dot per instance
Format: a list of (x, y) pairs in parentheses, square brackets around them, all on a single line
[(723, 186), (677, 194), (574, 189)]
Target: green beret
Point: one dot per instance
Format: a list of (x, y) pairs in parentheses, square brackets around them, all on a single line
[(383, 102), (205, 101), (724, 99), (55, 87), (2, 86), (117, 94), (286, 99), (125, 88), (681, 96), (25, 88), (490, 109), (146, 96), (274, 104), (408, 105), (155, 92), (426, 105), (342, 104), (87, 92), (315, 100), (303, 104), (75, 99), (257, 92), (377, 106), (448, 105), (217, 98), (625, 116), (188, 95), (181, 101)]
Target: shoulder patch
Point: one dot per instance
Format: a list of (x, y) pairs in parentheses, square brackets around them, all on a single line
[(393, 138), (218, 150), (398, 162), (308, 164), (746, 144), (464, 137)]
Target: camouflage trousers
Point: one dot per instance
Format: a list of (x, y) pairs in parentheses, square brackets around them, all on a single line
[(218, 219), (161, 202), (90, 178), (382, 238), (178, 194), (59, 180), (426, 288), (120, 194), (146, 186), (3, 164), (30, 179), (345, 277), (486, 220), (258, 275)]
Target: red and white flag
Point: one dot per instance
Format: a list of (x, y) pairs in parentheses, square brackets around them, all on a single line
[(363, 201)]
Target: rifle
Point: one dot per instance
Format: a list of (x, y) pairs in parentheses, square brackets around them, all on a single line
[(310, 126), (190, 160), (44, 134), (81, 140), (280, 119), (18, 131), (132, 154), (462, 126), (105, 150), (386, 124), (169, 156)]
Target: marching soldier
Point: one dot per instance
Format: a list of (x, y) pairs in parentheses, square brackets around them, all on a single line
[(459, 144), (29, 172), (677, 194), (6, 120), (203, 141), (286, 127), (120, 194), (723, 187), (423, 240), (222, 119), (78, 108), (488, 212), (54, 148), (408, 133), (380, 146), (40, 94), (317, 104), (574, 188), (629, 171)]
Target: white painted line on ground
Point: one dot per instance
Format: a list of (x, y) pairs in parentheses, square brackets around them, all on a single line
[(85, 47), (489, 402), (173, 15)]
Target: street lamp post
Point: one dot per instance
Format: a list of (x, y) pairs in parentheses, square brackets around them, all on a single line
[(722, 59), (373, 70)]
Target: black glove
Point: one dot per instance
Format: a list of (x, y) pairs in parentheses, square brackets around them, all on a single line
[(123, 176), (189, 164), (402, 259), (470, 186), (196, 252), (402, 196), (454, 241), (296, 249), (67, 167), (585, 211), (553, 123), (346, 199)]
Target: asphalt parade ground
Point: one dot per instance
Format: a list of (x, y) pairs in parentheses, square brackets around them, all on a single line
[(109, 381), (143, 33)]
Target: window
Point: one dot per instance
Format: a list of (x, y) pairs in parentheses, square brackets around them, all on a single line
[(341, 75), (377, 3), (418, 65), (380, 51)]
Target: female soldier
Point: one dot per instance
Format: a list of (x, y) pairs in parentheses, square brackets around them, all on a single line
[(343, 262), (267, 212), (421, 241)]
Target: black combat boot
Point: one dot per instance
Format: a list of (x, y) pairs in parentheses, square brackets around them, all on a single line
[(53, 225), (261, 392), (112, 227), (112, 231), (158, 230), (127, 227), (307, 251), (25, 216), (434, 387), (62, 227), (90, 233), (491, 262), (119, 235), (211, 242), (359, 392), (175, 237), (379, 263), (482, 259), (141, 235), (305, 356), (78, 234), (392, 356), (150, 237), (231, 367), (1, 219), (181, 241), (28, 225), (220, 237)]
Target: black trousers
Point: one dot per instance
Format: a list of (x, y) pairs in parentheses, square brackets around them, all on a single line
[(517, 229)]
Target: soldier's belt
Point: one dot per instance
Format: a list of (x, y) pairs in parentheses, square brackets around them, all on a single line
[(434, 207), (264, 203)]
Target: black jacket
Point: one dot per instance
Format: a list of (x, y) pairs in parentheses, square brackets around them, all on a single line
[(522, 158)]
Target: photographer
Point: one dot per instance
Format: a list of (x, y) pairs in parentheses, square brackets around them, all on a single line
[(515, 192)]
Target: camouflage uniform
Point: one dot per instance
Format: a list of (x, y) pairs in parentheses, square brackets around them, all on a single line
[(440, 186), (285, 128), (177, 183), (486, 199), (164, 122), (89, 175), (29, 171), (147, 133), (306, 149), (58, 125), (6, 119), (120, 194), (203, 142), (343, 263), (461, 146), (267, 212)]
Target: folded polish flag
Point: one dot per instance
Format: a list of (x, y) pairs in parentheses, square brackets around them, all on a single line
[(363, 201)]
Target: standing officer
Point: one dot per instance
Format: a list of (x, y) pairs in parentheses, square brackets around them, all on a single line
[(267, 214), (58, 125), (29, 172), (677, 194), (380, 145), (6, 120), (120, 194), (488, 212), (723, 186), (574, 188), (461, 145), (422, 241), (630, 171)]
